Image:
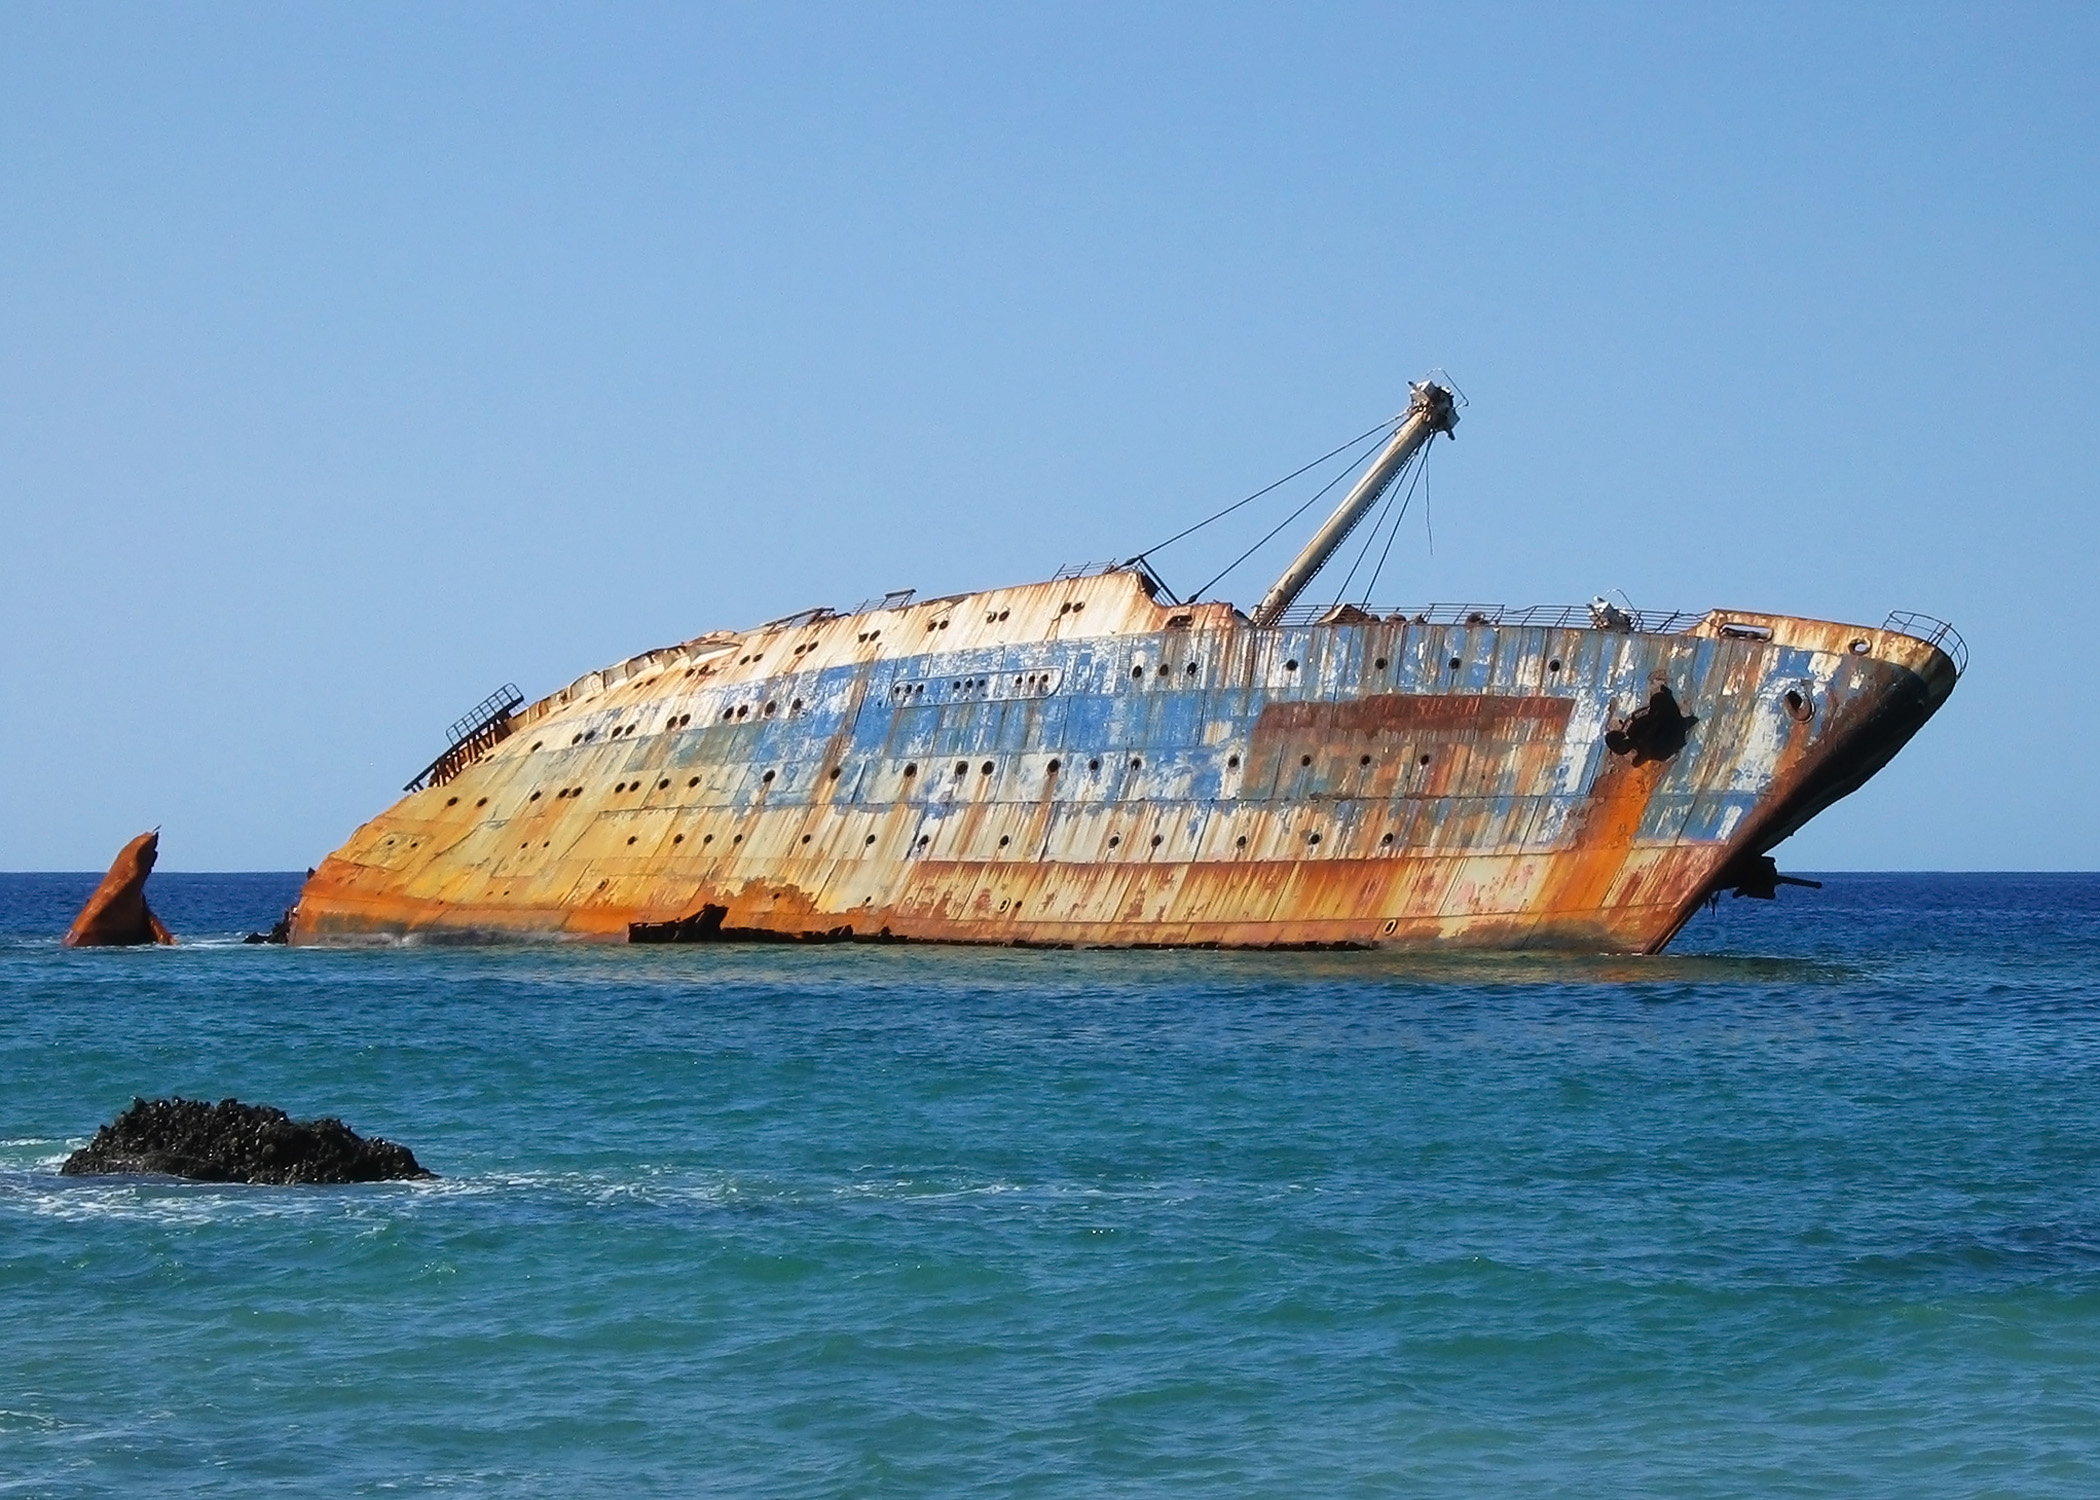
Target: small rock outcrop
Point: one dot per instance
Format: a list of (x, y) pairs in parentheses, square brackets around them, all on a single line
[(235, 1142), (281, 932)]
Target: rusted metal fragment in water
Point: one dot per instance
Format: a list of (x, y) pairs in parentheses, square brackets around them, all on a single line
[(116, 915), (1073, 762)]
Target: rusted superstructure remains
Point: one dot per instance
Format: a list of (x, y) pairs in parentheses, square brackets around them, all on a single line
[(1083, 761)]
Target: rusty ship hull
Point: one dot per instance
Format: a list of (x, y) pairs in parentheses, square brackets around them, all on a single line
[(1086, 762)]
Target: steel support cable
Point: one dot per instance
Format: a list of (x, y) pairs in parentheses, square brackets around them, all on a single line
[(1421, 477), (1385, 506), (1279, 484), (1318, 494)]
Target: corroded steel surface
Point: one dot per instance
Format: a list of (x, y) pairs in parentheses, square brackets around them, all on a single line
[(1074, 762)]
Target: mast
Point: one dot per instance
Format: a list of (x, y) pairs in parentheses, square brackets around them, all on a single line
[(1429, 412)]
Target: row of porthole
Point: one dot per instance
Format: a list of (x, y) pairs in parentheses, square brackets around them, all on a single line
[(772, 706), (742, 711), (977, 684), (622, 731), (911, 768), (995, 618), (925, 839)]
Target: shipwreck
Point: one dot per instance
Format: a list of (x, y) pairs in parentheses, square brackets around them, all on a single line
[(1089, 760)]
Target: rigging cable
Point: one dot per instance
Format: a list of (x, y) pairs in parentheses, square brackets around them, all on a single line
[(1392, 490), (1355, 463), (1421, 477), (1228, 510)]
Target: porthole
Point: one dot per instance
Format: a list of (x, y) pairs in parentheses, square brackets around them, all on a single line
[(795, 707), (805, 838), (911, 768), (962, 768), (834, 773), (1363, 760), (985, 769), (1004, 613), (1137, 671), (482, 802), (770, 706), (1136, 764), (677, 838), (664, 783), (707, 838), (692, 781), (738, 839), (871, 838), (1291, 665), (1860, 648), (1305, 760), (767, 778), (1094, 765), (1114, 839), (1054, 767), (1004, 840), (534, 797), (537, 743), (1381, 664), (1158, 839), (1232, 762), (1456, 663), (1553, 665), (1190, 669), (1425, 760), (1387, 839), (1312, 838), (452, 802), (630, 838), (1240, 842), (925, 839)]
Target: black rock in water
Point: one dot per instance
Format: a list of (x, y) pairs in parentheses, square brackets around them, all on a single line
[(235, 1142), (281, 932)]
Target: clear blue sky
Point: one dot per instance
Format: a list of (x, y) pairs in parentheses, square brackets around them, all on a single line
[(356, 359)]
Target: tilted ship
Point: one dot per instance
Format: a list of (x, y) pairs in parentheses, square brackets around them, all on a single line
[(1088, 761)]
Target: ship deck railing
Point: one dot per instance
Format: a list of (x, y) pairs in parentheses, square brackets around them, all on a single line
[(471, 736), (1536, 616), (1933, 633)]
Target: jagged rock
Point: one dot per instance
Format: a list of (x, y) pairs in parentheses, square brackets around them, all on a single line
[(281, 932), (235, 1142)]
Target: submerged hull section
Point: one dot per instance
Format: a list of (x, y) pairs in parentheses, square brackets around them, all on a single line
[(1075, 763)]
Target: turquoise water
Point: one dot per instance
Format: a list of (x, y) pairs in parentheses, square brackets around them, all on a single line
[(1809, 1207)]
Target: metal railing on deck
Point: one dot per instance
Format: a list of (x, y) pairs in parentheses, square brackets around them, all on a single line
[(471, 736), (1933, 633), (1539, 616)]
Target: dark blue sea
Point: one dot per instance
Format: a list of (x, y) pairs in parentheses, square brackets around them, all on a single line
[(1809, 1206)]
